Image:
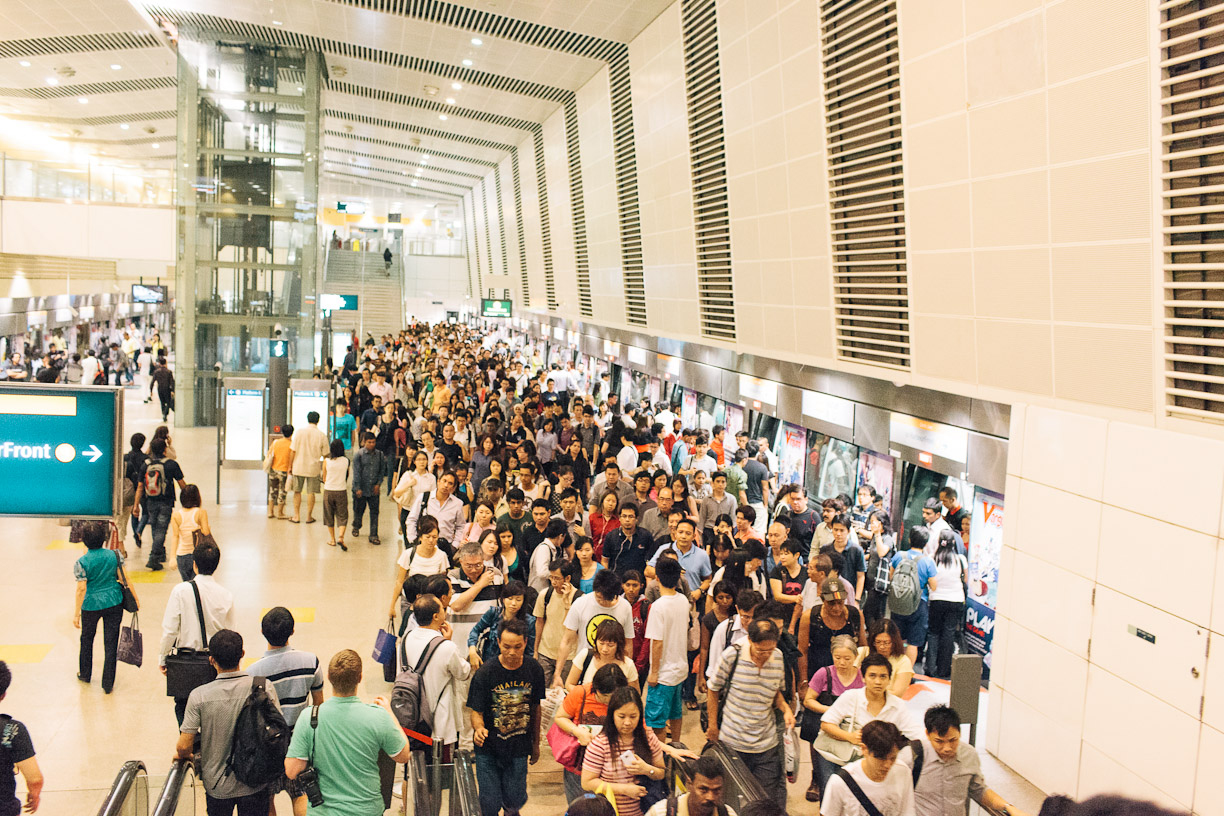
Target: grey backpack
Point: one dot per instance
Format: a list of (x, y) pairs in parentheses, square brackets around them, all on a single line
[(905, 594)]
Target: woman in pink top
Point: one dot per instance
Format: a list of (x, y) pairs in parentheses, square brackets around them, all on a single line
[(827, 684), (624, 755)]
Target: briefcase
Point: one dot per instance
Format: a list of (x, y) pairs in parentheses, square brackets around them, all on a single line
[(187, 670)]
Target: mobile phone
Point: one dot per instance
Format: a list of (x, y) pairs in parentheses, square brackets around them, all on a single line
[(626, 758)]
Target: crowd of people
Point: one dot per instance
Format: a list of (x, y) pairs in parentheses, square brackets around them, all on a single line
[(572, 570)]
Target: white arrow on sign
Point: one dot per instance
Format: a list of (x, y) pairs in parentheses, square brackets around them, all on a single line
[(93, 453)]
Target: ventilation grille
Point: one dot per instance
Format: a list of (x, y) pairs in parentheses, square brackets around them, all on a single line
[(395, 98), (409, 189), (518, 221), (400, 177), (1192, 119), (423, 131), (91, 88), (374, 140), (625, 152), (470, 231), (550, 283), (501, 219), (482, 190), (93, 121), (707, 154), (578, 207), (862, 87), (76, 44), (412, 164)]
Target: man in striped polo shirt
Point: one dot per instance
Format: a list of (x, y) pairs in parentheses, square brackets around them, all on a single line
[(296, 676), (747, 724)]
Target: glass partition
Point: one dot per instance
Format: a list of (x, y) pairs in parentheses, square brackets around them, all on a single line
[(117, 183)]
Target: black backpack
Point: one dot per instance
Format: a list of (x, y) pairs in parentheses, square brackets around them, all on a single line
[(261, 739)]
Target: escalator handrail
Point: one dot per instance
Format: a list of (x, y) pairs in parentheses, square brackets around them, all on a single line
[(465, 783), (167, 802), (124, 780), (422, 796), (736, 771)]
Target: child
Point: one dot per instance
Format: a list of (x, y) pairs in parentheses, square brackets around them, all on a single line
[(509, 605), (551, 607), (632, 587), (276, 463)]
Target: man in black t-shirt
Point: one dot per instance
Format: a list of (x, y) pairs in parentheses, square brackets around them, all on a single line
[(504, 706), (16, 754), (157, 477), (803, 520)]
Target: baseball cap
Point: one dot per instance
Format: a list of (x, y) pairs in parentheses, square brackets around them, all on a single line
[(832, 590)]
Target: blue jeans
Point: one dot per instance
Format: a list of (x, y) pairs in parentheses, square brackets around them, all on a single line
[(914, 628), (186, 566), (159, 519), (502, 782)]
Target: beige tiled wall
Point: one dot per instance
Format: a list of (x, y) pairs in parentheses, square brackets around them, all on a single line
[(1028, 165), (1111, 526)]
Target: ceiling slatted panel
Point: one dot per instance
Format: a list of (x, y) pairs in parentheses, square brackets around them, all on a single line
[(1192, 118), (862, 80), (79, 43), (91, 88), (518, 219)]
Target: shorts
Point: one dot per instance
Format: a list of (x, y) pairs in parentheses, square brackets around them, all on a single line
[(913, 627), (663, 704), (335, 508), (306, 484)]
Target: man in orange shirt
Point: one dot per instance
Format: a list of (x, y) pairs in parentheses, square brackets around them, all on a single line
[(277, 465), (716, 446)]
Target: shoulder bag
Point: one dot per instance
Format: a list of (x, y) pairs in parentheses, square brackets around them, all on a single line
[(188, 669), (811, 730), (130, 604), (131, 644), (566, 748), (839, 752), (858, 794)]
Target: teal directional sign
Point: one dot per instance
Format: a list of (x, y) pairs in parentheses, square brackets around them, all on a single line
[(60, 450)]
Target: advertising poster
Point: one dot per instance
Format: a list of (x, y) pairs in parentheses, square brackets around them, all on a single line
[(735, 420), (985, 546), (876, 470), (792, 454), (688, 408), (838, 461), (656, 391), (244, 416), (626, 386), (811, 480), (706, 407), (303, 403)]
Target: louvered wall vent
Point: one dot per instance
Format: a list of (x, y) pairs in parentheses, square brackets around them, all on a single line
[(707, 155), (1192, 119), (862, 86), (518, 221)]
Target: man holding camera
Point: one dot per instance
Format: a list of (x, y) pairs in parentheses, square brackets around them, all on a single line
[(333, 756)]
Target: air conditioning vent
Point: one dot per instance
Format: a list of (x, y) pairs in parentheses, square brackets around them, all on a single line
[(473, 249), (862, 86), (550, 283), (483, 193), (578, 208), (707, 156), (501, 221), (518, 220), (1192, 123)]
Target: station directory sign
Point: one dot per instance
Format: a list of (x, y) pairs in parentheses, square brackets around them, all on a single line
[(306, 396), (60, 450), (495, 308), (245, 411)]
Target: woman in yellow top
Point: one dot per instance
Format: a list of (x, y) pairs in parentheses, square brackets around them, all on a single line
[(184, 524), (883, 637)]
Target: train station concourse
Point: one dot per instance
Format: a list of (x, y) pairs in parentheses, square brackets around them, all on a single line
[(612, 407)]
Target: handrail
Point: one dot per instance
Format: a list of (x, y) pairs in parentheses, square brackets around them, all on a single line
[(422, 797), (124, 780), (464, 787), (741, 786), (180, 772)]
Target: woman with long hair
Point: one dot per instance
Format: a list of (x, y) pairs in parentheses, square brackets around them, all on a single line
[(133, 461), (625, 754), (184, 524), (598, 525), (335, 494), (485, 453), (884, 638), (683, 496), (424, 557), (412, 486), (510, 604), (514, 563), (609, 648), (482, 522), (586, 567), (947, 607)]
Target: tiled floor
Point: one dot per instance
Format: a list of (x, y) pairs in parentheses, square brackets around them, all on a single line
[(83, 736)]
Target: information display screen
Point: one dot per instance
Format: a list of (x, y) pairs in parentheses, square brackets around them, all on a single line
[(59, 450), (142, 293), (244, 421), (495, 308), (303, 401)]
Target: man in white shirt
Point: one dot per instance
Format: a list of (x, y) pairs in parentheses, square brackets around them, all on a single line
[(90, 368), (557, 541), (730, 632), (381, 388), (877, 778), (586, 613), (444, 506), (932, 517), (446, 669), (306, 453), (667, 631), (181, 622)]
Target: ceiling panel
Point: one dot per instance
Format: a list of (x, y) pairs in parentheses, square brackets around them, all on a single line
[(24, 19), (617, 20)]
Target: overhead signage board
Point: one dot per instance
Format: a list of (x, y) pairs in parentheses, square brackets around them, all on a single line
[(306, 396), (143, 293), (930, 438), (755, 388), (351, 207), (496, 308), (829, 409), (337, 303), (244, 420), (60, 450)]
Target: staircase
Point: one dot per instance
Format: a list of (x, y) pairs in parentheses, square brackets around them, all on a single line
[(380, 298)]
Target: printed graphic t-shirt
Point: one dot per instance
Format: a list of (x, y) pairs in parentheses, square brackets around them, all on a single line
[(504, 698)]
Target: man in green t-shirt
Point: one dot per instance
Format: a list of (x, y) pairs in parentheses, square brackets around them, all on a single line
[(350, 734)]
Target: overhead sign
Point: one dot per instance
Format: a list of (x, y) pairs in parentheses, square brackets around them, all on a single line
[(351, 207), (60, 451), (495, 308), (337, 303), (143, 293), (924, 436), (279, 348), (828, 408), (244, 420), (756, 388)]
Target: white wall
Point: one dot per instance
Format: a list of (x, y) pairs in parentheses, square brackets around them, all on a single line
[(107, 231), (435, 278)]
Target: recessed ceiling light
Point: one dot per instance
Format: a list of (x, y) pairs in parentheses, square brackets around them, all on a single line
[(116, 66), (277, 22), (124, 126), (450, 100), (442, 116), (82, 100), (25, 63), (414, 184), (477, 41), (52, 81), (457, 86), (155, 145), (467, 63)]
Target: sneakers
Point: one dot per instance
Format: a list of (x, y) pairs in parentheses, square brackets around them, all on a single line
[(813, 793)]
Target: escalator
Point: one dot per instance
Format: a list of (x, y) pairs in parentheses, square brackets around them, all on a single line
[(435, 787), (129, 795), (740, 787)]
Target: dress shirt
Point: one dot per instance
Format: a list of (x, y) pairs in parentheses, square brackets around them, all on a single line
[(711, 508), (450, 517), (447, 665), (945, 787), (853, 704), (181, 623)]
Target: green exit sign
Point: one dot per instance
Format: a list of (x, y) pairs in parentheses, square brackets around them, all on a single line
[(60, 450), (495, 308)]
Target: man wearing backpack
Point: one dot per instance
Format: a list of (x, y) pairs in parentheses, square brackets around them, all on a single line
[(441, 675), (213, 712), (913, 578), (157, 477), (341, 740)]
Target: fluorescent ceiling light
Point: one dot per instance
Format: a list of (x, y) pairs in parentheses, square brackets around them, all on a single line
[(457, 86), (450, 100), (467, 63), (116, 66), (155, 145), (52, 81), (442, 117), (82, 100), (25, 63), (477, 41), (124, 126)]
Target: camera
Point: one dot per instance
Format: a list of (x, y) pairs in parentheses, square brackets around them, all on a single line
[(308, 786)]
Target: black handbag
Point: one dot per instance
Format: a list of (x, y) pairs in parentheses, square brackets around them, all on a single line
[(188, 669), (129, 602), (810, 729)]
